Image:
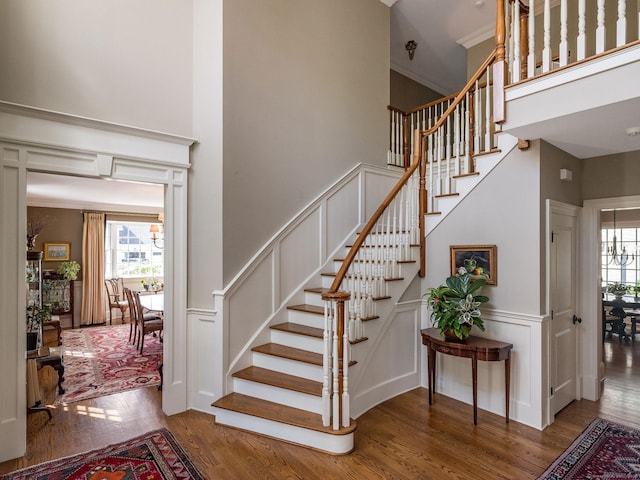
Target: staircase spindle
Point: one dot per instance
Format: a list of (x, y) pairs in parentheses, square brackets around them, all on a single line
[(600, 29), (546, 50), (564, 44), (621, 25)]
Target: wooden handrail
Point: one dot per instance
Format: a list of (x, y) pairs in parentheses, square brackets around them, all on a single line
[(417, 158)]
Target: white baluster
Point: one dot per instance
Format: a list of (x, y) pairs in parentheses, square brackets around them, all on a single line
[(600, 29), (531, 59), (488, 143), (564, 44), (515, 69), (546, 50), (621, 26), (581, 40), (335, 373), (476, 120), (326, 358), (345, 381)]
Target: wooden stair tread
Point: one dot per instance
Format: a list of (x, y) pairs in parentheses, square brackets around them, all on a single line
[(279, 413), (315, 309), (278, 379), (290, 353), (296, 328), (394, 279), (445, 195)]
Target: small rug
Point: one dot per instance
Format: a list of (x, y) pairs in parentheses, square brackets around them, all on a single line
[(101, 361), (153, 456), (604, 450)]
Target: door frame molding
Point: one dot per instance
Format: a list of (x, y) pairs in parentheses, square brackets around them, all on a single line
[(33, 139), (590, 292)]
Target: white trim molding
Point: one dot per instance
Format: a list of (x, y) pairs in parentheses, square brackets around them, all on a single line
[(54, 142)]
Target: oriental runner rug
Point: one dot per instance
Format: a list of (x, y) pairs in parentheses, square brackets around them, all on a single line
[(101, 361), (153, 456), (604, 450)]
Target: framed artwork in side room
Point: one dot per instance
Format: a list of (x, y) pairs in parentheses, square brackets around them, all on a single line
[(480, 261), (57, 252)]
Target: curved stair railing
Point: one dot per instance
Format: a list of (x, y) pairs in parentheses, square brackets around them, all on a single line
[(392, 234)]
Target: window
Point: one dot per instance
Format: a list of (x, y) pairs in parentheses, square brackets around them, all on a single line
[(627, 239), (130, 252)]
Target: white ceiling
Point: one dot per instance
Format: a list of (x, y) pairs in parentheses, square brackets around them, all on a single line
[(441, 28), (61, 191)]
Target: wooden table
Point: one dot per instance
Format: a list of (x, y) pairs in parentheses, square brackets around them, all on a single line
[(475, 348)]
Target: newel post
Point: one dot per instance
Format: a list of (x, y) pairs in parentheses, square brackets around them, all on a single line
[(499, 66), (336, 351)]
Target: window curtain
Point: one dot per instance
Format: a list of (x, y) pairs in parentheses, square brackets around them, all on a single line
[(93, 298)]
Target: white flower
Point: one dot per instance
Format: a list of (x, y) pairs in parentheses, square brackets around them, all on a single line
[(462, 271)]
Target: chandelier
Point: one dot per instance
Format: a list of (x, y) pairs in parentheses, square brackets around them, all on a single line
[(621, 258)]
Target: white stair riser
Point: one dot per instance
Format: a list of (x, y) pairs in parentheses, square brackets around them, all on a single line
[(336, 444), (295, 340), (311, 298), (303, 401), (290, 367), (306, 318)]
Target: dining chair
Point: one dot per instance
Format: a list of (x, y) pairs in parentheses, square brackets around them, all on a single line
[(145, 322), (116, 297), (133, 315)]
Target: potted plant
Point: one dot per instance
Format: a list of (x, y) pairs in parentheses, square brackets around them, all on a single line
[(69, 270), (454, 306), (618, 289), (36, 316)]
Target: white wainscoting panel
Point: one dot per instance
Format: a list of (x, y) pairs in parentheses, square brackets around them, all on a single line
[(204, 359), (525, 332), (394, 366)]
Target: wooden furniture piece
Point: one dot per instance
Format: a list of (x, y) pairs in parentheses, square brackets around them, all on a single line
[(116, 297), (145, 322), (58, 293), (614, 313), (475, 348)]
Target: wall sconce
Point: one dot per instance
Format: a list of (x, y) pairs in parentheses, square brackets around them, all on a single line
[(411, 46), (155, 231)]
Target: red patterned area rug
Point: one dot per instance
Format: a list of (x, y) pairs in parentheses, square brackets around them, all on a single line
[(153, 456), (605, 450), (100, 361)]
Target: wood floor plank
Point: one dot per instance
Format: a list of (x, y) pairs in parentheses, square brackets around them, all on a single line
[(402, 438)]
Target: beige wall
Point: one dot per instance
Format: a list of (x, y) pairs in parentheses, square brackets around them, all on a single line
[(306, 86), (612, 175), (65, 226), (407, 94), (552, 160), (116, 60)]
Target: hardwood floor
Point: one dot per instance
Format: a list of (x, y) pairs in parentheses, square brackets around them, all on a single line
[(400, 439)]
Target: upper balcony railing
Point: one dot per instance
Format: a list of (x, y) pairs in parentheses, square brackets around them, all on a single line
[(542, 36)]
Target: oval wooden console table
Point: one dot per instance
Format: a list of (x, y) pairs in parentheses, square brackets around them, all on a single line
[(475, 348)]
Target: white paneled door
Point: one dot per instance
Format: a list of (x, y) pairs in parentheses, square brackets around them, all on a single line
[(562, 302)]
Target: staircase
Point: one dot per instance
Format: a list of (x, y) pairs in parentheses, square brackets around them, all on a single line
[(281, 394), (299, 383)]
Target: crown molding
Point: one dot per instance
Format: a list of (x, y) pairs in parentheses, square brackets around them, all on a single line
[(389, 3)]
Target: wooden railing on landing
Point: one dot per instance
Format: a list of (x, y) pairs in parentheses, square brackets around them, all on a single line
[(397, 221), (466, 131), (575, 39)]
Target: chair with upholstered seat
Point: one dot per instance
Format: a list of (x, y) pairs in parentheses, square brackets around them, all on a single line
[(145, 322), (116, 297)]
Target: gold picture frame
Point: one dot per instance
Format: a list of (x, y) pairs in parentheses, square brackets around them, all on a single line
[(482, 260), (57, 252)]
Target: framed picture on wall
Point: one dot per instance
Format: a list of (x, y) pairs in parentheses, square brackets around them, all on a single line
[(480, 261), (57, 252)]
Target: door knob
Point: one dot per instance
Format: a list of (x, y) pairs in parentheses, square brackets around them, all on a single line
[(576, 319)]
